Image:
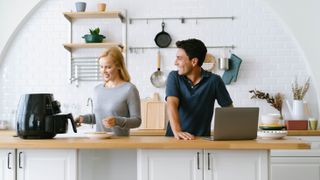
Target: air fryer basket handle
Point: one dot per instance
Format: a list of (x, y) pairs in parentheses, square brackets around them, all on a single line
[(72, 122)]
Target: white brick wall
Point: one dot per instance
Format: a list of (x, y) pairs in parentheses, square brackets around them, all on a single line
[(37, 61)]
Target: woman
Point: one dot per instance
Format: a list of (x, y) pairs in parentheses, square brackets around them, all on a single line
[(116, 101)]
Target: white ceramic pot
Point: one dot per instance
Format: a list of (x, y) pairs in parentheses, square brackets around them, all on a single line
[(270, 118), (81, 6)]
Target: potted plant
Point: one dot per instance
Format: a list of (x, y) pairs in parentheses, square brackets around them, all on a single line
[(275, 101), (94, 36), (297, 109)]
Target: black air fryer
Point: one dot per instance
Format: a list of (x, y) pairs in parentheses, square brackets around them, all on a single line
[(38, 118)]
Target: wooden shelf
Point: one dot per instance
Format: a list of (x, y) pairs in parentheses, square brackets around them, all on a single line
[(94, 14), (70, 46)]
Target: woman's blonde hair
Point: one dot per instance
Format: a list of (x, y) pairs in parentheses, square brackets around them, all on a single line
[(118, 60)]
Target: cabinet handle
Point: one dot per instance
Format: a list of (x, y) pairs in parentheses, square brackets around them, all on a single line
[(20, 153), (8, 165), (198, 160), (208, 161)]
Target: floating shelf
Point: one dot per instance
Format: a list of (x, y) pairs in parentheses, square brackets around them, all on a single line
[(94, 14), (86, 68), (70, 46)]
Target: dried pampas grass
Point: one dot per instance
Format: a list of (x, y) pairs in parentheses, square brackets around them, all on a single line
[(300, 91), (275, 101)]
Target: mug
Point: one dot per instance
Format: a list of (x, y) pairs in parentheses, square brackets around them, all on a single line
[(101, 7), (81, 6), (313, 124)]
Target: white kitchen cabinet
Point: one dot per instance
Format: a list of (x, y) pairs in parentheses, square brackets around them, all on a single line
[(7, 164), (295, 168), (203, 164), (40, 164), (236, 164), (170, 164), (297, 164), (107, 164)]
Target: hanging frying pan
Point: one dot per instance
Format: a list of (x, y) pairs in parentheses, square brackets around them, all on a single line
[(162, 39), (158, 78)]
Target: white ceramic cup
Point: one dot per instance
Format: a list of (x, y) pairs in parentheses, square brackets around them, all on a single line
[(270, 118)]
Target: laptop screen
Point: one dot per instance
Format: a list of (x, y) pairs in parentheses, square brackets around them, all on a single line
[(236, 123)]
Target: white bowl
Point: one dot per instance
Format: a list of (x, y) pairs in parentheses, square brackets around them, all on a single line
[(270, 118), (272, 134), (98, 135)]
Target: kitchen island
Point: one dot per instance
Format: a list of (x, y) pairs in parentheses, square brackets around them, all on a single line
[(140, 157), (144, 142), (161, 132)]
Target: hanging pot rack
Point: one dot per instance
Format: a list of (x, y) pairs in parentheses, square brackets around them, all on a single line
[(136, 48), (181, 19)]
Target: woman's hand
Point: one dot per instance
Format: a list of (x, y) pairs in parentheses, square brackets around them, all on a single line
[(78, 120), (109, 122)]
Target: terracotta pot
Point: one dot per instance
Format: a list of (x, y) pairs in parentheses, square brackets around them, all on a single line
[(101, 7)]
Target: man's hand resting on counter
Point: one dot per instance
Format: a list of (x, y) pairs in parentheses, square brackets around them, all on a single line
[(183, 135)]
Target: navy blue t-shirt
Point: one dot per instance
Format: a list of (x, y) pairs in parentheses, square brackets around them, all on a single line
[(196, 103)]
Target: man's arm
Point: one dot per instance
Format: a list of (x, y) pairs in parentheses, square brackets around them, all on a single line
[(173, 114)]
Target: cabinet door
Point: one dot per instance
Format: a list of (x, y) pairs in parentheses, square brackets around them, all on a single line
[(236, 164), (107, 164), (295, 168), (170, 164), (40, 164), (7, 164)]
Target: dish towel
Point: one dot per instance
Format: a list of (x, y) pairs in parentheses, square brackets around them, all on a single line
[(232, 73)]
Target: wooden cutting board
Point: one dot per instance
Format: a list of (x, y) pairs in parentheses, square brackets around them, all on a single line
[(153, 114)]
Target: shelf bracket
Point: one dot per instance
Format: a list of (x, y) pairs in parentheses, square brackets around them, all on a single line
[(122, 18)]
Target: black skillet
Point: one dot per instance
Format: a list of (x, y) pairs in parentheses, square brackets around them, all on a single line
[(162, 39)]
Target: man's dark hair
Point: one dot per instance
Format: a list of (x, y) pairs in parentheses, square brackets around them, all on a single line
[(193, 48)]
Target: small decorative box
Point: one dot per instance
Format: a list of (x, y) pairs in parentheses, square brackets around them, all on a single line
[(297, 124)]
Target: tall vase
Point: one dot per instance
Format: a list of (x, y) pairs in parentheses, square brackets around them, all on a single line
[(298, 110)]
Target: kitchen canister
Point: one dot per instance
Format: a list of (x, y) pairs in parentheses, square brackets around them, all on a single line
[(223, 63), (81, 6)]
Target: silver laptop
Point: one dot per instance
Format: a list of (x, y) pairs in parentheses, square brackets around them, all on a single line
[(240, 123)]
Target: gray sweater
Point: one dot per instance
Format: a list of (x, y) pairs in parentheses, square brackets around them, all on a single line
[(121, 102)]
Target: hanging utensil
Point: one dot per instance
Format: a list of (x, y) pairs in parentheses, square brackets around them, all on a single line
[(162, 39), (158, 78), (209, 63)]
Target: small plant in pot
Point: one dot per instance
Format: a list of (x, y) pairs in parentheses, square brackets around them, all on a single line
[(94, 36)]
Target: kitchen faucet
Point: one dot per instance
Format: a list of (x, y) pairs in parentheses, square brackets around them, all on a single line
[(89, 100)]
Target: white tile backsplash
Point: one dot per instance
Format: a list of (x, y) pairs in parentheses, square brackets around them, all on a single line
[(37, 62)]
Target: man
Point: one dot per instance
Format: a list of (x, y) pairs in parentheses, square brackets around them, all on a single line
[(191, 93)]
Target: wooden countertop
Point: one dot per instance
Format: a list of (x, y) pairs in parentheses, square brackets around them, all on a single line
[(161, 132), (144, 142), (304, 133)]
